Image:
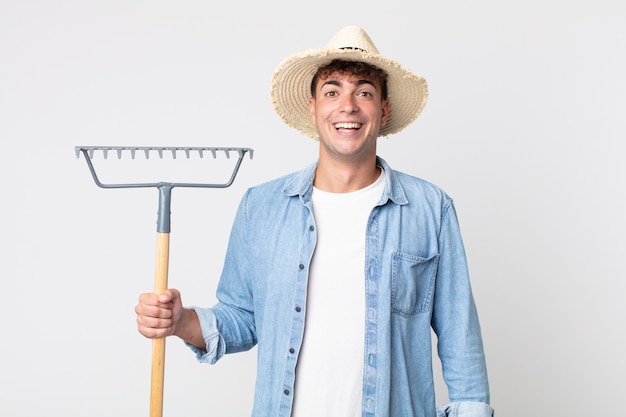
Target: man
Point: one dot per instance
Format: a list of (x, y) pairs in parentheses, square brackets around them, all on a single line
[(338, 272)]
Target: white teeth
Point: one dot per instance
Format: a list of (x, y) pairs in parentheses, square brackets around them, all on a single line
[(347, 125)]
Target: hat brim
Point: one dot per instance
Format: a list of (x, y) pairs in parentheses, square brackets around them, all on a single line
[(291, 88)]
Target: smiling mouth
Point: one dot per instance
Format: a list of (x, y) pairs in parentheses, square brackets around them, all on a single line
[(351, 125)]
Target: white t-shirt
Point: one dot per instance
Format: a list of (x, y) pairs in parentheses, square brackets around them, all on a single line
[(329, 373)]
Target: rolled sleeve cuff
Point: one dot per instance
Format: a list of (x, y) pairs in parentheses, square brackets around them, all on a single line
[(215, 346), (465, 409)]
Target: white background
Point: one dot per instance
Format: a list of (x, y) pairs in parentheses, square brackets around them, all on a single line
[(524, 128)]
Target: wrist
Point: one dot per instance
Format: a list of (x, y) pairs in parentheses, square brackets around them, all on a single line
[(188, 328)]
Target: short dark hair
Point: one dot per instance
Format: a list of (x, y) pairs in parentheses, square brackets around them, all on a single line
[(357, 68)]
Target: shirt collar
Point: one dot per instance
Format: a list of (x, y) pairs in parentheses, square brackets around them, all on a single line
[(301, 184)]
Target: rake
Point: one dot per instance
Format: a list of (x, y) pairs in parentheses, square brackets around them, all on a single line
[(163, 229)]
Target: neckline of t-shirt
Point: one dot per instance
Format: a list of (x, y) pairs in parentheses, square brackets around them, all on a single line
[(375, 184)]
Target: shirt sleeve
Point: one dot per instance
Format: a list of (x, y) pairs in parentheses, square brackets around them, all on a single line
[(455, 322), (215, 346), (465, 409), (229, 326)]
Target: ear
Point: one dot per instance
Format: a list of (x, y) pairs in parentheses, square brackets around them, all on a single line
[(384, 112), (312, 109)]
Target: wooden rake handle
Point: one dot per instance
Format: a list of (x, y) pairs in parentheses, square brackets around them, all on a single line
[(160, 284), (158, 344)]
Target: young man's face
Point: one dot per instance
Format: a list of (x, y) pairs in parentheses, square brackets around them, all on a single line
[(348, 112)]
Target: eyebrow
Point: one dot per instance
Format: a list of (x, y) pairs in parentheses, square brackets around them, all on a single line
[(338, 84)]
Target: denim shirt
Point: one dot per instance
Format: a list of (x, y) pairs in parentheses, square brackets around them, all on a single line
[(416, 278)]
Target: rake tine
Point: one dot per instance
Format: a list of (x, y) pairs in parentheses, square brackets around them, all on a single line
[(119, 151)]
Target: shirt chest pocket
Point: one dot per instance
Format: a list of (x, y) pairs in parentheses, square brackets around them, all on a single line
[(413, 281)]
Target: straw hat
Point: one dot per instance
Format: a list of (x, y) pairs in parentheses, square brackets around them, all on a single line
[(291, 82)]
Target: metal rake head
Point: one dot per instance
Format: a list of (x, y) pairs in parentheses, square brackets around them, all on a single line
[(147, 149), (89, 151)]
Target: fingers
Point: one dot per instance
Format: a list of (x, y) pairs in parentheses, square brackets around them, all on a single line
[(156, 314), (168, 296)]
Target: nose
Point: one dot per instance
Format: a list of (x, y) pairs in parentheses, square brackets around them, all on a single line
[(348, 104)]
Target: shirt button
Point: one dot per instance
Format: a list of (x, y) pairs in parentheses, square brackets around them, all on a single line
[(301, 266), (298, 309), (291, 350), (286, 392), (311, 228)]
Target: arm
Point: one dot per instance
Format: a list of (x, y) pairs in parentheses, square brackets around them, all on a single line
[(455, 321), (229, 327)]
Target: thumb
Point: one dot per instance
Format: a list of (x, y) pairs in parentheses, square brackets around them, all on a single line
[(170, 295)]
